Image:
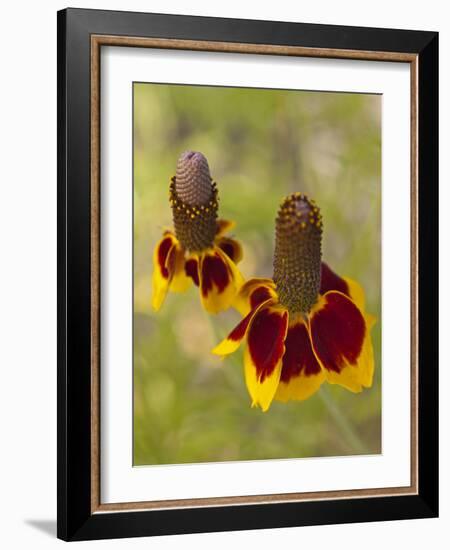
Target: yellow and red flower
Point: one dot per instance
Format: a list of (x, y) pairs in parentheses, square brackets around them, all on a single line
[(198, 250), (305, 326)]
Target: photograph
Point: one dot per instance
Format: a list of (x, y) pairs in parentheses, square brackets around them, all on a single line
[(256, 274)]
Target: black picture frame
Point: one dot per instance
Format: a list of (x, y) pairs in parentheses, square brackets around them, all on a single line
[(76, 521)]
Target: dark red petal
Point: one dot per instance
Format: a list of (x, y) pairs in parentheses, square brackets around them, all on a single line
[(228, 248), (214, 273), (164, 248), (299, 358), (239, 330), (231, 247), (331, 281), (265, 340), (191, 270), (337, 332), (259, 295)]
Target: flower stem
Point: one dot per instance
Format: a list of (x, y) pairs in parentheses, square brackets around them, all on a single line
[(353, 440)]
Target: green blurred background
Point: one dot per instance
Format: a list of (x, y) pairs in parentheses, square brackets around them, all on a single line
[(261, 145)]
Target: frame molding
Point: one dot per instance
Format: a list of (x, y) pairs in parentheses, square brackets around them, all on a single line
[(81, 34)]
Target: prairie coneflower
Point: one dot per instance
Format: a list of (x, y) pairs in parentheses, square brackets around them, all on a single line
[(197, 250), (305, 326)]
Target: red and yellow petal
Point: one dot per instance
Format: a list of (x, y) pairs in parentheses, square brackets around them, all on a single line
[(231, 247), (341, 341), (356, 293), (223, 226), (164, 259), (219, 280), (191, 269), (331, 281), (301, 373), (263, 354), (231, 343), (252, 293), (180, 280)]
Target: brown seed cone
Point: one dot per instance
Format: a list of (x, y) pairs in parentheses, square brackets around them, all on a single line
[(193, 179), (297, 258), (195, 224)]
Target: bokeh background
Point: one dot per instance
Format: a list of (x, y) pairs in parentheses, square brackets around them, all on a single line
[(261, 145)]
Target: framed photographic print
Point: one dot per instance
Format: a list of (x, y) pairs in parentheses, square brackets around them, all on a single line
[(247, 256)]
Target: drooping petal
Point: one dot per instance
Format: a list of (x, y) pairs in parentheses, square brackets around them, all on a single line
[(264, 352), (356, 293), (219, 280), (252, 293), (234, 339), (331, 281), (340, 335), (191, 269), (231, 247), (180, 280), (223, 226), (163, 267), (301, 373)]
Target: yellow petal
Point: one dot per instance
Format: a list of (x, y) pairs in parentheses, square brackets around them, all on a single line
[(301, 374), (231, 343), (332, 281), (359, 376), (220, 280), (223, 226), (356, 293), (253, 292), (299, 389), (231, 247), (264, 353), (159, 290), (180, 281), (341, 337), (262, 393), (162, 272)]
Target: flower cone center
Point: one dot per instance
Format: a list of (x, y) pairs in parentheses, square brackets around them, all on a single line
[(298, 255), (194, 201)]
